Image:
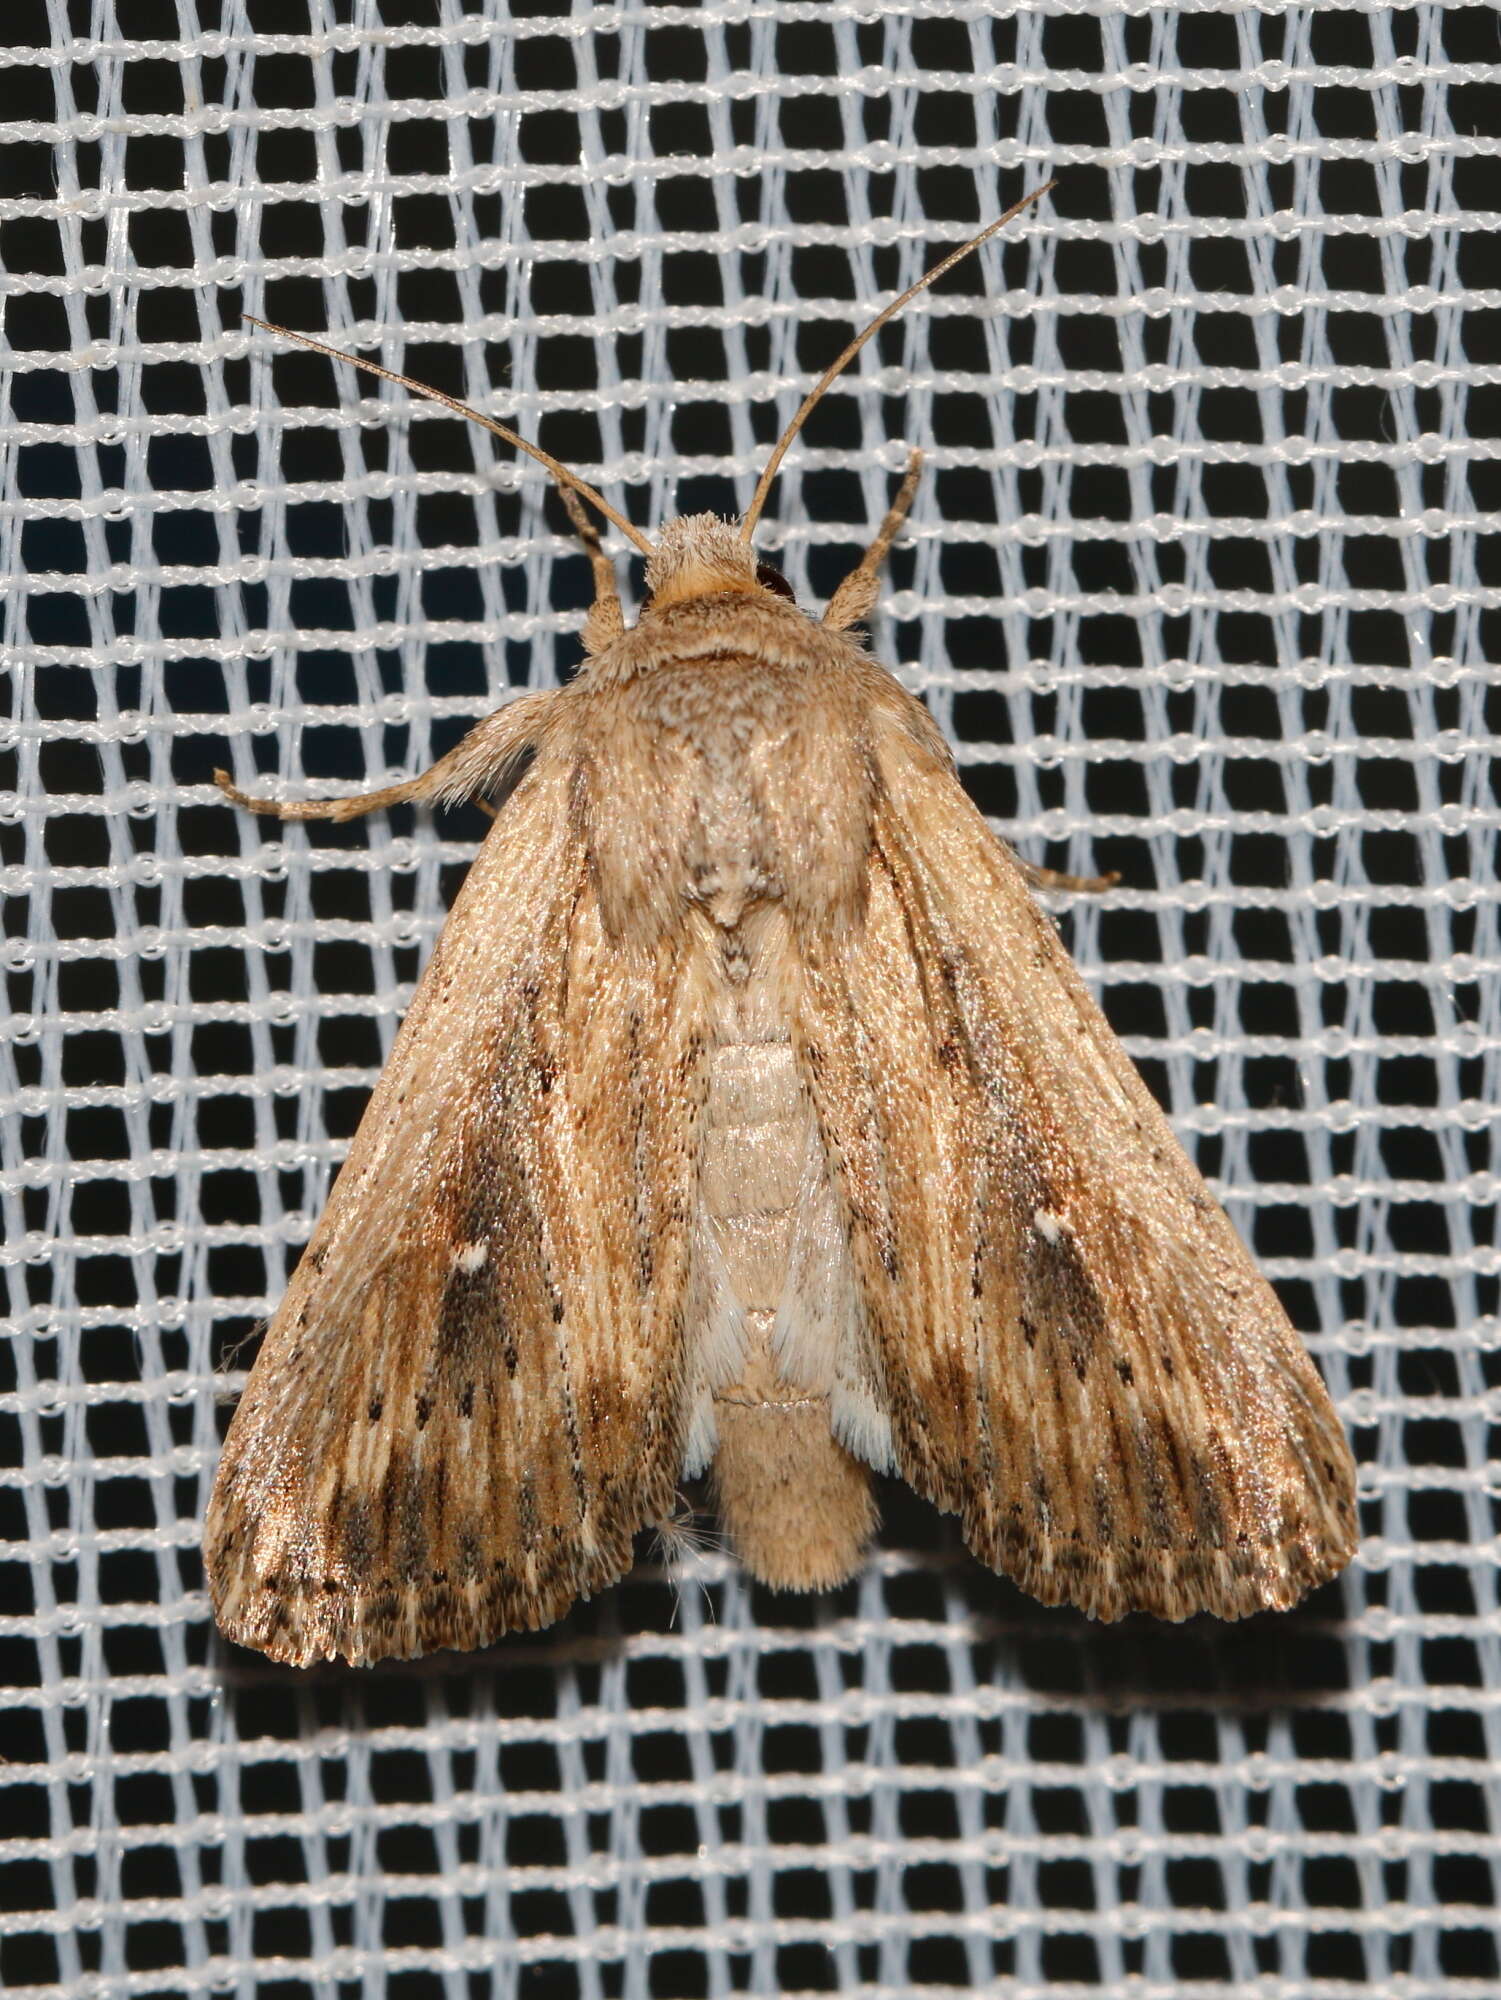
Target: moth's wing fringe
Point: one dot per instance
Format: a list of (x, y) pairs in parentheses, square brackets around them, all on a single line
[(1075, 1351), (471, 1397), (299, 1628)]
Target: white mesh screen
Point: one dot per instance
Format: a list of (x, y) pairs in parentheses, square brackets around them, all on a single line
[(1197, 581)]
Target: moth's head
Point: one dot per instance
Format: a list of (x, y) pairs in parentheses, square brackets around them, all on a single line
[(699, 555)]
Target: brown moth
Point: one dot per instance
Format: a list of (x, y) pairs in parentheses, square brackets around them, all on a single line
[(751, 1119)]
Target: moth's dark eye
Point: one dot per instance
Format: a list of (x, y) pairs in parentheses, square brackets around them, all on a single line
[(773, 579)]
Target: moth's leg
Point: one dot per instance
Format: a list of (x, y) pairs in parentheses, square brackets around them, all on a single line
[(853, 599), (1076, 885), (606, 620), (335, 809), (481, 763)]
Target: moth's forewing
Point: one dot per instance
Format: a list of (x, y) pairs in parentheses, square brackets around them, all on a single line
[(1074, 1350), (469, 1400)]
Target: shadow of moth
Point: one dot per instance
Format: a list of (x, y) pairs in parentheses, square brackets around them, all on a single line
[(751, 1119)]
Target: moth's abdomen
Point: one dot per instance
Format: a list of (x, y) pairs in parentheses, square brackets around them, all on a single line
[(796, 1504)]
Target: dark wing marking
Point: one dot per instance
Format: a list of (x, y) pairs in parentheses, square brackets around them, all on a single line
[(1073, 1348), (471, 1397)]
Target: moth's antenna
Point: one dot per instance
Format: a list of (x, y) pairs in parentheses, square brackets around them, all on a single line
[(559, 471), (763, 487)]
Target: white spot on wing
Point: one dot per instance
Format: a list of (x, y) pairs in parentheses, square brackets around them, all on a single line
[(1049, 1225), (471, 1257)]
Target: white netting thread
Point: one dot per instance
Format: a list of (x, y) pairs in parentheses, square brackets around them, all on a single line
[(1197, 583)]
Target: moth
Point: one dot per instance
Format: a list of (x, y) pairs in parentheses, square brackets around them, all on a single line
[(750, 1119)]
